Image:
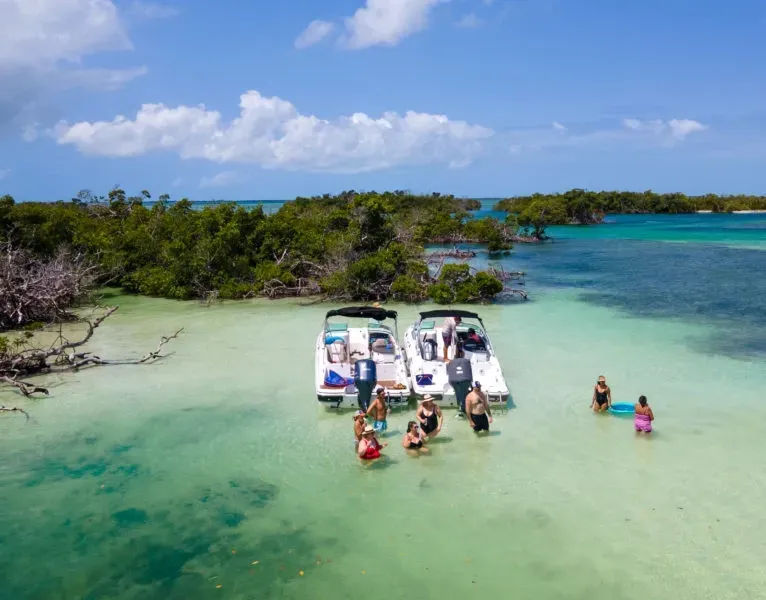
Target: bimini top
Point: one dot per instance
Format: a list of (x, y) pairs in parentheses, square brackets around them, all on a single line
[(365, 312), (463, 314)]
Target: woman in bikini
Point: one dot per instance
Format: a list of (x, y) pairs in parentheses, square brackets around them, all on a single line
[(644, 416), (414, 439), (430, 416), (602, 396)]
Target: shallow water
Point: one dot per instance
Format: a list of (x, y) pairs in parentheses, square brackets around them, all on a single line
[(166, 481)]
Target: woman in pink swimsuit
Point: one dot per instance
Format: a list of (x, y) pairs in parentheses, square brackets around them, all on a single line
[(644, 416)]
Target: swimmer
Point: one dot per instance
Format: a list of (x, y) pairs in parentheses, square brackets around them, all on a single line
[(359, 425), (414, 439), (477, 409), (379, 410), (369, 447), (602, 396), (430, 417), (644, 416)]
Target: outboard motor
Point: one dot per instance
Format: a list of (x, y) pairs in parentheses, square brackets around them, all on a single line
[(460, 376), (365, 377)]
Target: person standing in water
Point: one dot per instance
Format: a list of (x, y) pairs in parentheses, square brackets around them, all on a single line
[(369, 447), (414, 438), (430, 416), (602, 396), (477, 409), (359, 425), (460, 375), (379, 411), (449, 333), (644, 416)]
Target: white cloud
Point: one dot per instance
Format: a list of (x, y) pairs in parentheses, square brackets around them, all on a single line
[(680, 128), (653, 132), (386, 22), (314, 33), (151, 10), (270, 132), (469, 21), (47, 31), (43, 45), (676, 129), (221, 179)]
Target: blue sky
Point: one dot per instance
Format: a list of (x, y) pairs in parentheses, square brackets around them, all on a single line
[(249, 99)]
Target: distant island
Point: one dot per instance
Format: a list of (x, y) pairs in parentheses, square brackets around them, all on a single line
[(585, 207)]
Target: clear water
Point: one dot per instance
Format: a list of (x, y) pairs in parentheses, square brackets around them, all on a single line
[(169, 480)]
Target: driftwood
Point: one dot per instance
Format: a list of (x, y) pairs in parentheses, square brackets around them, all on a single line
[(453, 253), (15, 409), (33, 289), (24, 360)]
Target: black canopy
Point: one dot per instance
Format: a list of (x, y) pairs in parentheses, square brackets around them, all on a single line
[(366, 312), (463, 314)]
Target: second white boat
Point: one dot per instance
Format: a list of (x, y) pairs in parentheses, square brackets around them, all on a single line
[(424, 353)]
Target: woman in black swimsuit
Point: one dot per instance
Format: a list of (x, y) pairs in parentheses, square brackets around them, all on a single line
[(430, 416), (413, 439), (602, 396)]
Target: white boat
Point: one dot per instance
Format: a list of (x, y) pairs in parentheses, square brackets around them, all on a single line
[(424, 353), (339, 347)]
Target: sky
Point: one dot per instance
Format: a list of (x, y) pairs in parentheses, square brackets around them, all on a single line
[(249, 99)]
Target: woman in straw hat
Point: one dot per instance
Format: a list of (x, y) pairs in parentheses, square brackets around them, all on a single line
[(369, 447), (430, 416)]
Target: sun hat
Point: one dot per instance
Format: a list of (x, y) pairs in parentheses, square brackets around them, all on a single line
[(368, 429), (427, 398)]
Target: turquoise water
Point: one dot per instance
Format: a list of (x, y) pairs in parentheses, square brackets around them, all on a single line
[(169, 480)]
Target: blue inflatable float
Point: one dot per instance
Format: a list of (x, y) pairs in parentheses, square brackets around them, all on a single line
[(621, 408)]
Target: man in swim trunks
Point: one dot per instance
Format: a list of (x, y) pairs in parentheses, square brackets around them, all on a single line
[(369, 447), (602, 396), (379, 410), (477, 409), (449, 328)]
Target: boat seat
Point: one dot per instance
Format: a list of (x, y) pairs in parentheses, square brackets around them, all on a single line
[(336, 352), (358, 344)]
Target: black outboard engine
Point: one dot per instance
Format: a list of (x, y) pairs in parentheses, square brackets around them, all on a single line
[(460, 376), (365, 377)]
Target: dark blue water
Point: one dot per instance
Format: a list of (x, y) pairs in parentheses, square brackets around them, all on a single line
[(704, 282)]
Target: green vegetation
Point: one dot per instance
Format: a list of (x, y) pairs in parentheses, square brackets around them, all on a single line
[(353, 246), (583, 207)]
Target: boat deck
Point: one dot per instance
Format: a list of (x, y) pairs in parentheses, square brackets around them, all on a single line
[(388, 384)]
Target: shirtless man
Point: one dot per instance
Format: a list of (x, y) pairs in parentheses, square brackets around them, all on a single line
[(379, 410), (477, 409), (449, 329)]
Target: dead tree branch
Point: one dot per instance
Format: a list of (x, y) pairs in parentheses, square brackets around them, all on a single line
[(24, 360)]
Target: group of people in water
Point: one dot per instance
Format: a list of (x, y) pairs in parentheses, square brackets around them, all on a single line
[(428, 422), (602, 402)]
